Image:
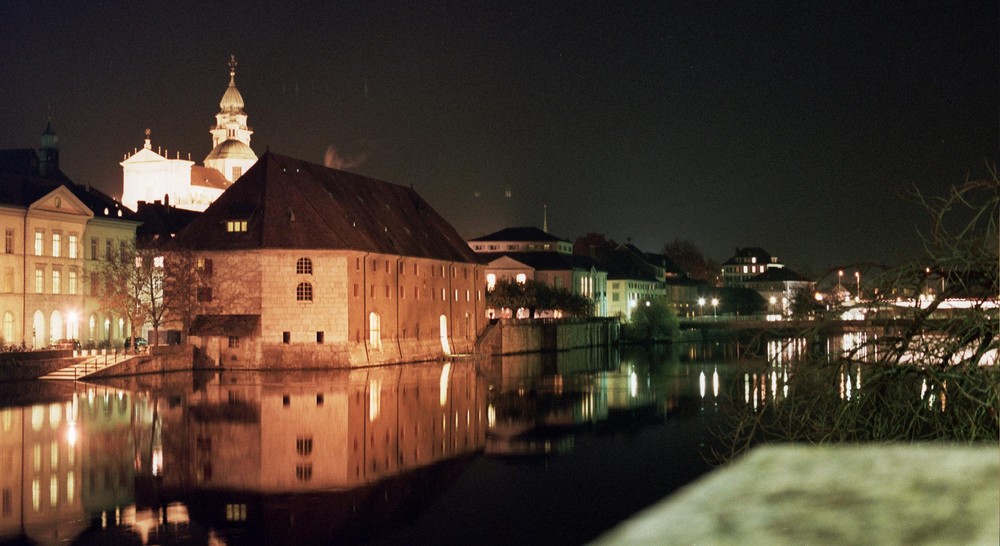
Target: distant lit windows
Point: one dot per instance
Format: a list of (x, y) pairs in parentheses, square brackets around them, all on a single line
[(304, 292), (521, 278), (375, 331), (39, 280), (56, 281), (204, 265), (56, 245), (236, 226), (236, 512), (72, 246), (304, 266), (39, 242), (491, 281)]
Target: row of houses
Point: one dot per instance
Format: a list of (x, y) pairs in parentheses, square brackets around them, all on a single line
[(619, 277)]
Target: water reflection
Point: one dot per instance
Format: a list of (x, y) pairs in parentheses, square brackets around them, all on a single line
[(323, 457)]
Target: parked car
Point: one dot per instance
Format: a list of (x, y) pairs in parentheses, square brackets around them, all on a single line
[(140, 343), (72, 344)]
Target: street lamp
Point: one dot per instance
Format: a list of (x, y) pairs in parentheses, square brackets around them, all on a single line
[(840, 277), (715, 305), (857, 277), (701, 306)]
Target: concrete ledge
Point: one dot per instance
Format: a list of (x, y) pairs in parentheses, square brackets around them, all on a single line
[(876, 494)]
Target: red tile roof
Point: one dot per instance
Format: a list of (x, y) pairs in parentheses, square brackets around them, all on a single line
[(288, 203), (208, 177)]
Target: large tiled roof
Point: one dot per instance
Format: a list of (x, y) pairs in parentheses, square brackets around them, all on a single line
[(523, 234), (21, 190), (288, 203)]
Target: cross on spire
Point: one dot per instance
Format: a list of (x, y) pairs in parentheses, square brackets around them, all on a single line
[(232, 68)]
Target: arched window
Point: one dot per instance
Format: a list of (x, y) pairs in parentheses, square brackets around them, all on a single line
[(374, 331), (304, 267), (304, 292), (8, 327)]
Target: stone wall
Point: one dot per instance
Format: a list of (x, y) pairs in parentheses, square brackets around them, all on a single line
[(526, 336), (33, 364), (168, 358)]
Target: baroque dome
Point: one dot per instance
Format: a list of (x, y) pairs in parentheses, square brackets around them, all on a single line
[(231, 149)]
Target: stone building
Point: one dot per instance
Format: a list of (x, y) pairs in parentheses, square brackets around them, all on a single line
[(56, 233), (305, 266), (149, 176)]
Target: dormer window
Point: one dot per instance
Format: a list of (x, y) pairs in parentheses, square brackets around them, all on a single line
[(236, 226)]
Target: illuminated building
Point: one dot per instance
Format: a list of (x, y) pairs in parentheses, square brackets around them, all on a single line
[(56, 232), (638, 278), (745, 264), (151, 176), (305, 266), (523, 253), (779, 286)]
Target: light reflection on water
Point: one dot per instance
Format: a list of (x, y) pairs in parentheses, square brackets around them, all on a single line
[(243, 457)]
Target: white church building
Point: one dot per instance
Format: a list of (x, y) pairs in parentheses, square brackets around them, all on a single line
[(150, 175)]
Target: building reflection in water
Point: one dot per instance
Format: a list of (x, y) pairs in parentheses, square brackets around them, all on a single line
[(314, 456)]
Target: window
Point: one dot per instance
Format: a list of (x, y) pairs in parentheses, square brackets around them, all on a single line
[(39, 280), (236, 226), (205, 265), (234, 342), (94, 283), (237, 172), (319, 337), (56, 245), (204, 293), (93, 248), (72, 246), (319, 399), (56, 281), (8, 280), (304, 266), (9, 241), (122, 249), (236, 512), (39, 241), (375, 331), (286, 338), (304, 292), (108, 253), (304, 445), (355, 290), (303, 472)]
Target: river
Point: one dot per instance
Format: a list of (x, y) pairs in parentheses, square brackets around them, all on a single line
[(532, 449)]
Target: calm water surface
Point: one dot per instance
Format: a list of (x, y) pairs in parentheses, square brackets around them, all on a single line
[(551, 449)]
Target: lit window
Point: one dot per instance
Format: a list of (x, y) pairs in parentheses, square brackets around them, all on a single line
[(39, 242), (234, 342), (72, 282), (236, 512), (236, 226), (522, 278), (304, 292), (491, 281), (304, 266), (56, 245), (39, 280), (72, 246), (56, 281)]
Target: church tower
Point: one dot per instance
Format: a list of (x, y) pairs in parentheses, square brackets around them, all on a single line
[(231, 154), (48, 152)]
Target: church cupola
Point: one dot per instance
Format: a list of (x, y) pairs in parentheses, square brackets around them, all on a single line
[(231, 154), (48, 152)]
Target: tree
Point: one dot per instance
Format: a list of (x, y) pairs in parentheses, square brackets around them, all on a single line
[(122, 286), (653, 322), (691, 260), (534, 295), (932, 371)]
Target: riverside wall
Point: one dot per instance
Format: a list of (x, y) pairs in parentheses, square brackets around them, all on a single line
[(16, 366), (172, 358), (514, 336)]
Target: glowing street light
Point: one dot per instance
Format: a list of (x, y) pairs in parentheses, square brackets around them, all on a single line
[(857, 277), (715, 305), (701, 306), (840, 277)]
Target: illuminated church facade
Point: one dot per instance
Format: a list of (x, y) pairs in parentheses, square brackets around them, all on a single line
[(151, 175)]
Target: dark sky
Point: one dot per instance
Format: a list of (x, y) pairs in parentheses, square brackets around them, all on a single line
[(795, 126)]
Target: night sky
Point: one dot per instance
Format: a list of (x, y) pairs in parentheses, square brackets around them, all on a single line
[(795, 127)]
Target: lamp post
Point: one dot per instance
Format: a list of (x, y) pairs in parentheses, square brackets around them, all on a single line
[(840, 278), (857, 277), (715, 306), (701, 307)]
